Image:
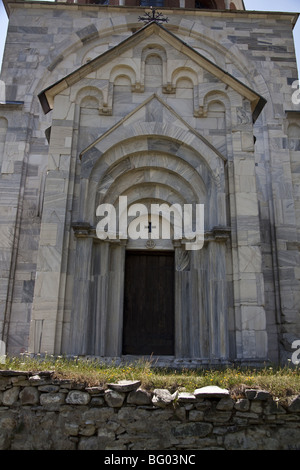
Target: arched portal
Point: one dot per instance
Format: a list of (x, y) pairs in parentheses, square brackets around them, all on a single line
[(118, 284)]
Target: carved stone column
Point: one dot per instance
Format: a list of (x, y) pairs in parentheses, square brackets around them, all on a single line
[(114, 323), (97, 315), (82, 299), (201, 303), (182, 300)]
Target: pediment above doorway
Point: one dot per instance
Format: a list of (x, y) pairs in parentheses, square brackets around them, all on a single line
[(152, 154), (152, 119)]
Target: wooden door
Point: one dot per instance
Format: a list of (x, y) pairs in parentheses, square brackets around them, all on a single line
[(148, 324)]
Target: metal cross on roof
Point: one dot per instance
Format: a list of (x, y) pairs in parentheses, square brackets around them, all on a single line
[(153, 16)]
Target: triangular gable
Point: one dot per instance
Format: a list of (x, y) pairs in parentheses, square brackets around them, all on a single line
[(46, 97), (141, 122)]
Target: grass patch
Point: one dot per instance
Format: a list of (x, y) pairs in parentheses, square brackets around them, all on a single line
[(281, 382)]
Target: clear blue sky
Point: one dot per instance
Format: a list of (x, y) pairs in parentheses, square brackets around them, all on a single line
[(259, 5)]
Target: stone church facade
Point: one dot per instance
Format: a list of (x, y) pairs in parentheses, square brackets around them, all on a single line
[(98, 104)]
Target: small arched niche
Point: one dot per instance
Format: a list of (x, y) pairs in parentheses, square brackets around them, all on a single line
[(153, 72), (90, 101)]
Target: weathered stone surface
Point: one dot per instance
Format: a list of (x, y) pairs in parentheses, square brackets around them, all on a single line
[(251, 393), (256, 406), (254, 394), (211, 392), (4, 382), (88, 443), (192, 429), (161, 397), (48, 388), (52, 398), (139, 397), (20, 380), (242, 404), (294, 405), (97, 401), (14, 373), (10, 396), (185, 397), (180, 412), (253, 438), (38, 380), (77, 397), (106, 433), (72, 429), (225, 404), (29, 396), (99, 415), (69, 385), (125, 386), (99, 391), (196, 415), (274, 408), (216, 416), (263, 395), (210, 423), (247, 415), (114, 399), (236, 441), (88, 429), (8, 422)]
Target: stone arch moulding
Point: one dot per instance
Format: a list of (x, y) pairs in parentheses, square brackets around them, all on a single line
[(127, 71), (214, 95), (95, 89), (184, 73), (120, 70), (151, 177), (177, 140), (90, 92)]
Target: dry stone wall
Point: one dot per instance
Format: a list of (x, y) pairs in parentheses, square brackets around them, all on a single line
[(38, 412)]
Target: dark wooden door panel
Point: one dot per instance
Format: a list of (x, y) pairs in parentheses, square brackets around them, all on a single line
[(148, 324)]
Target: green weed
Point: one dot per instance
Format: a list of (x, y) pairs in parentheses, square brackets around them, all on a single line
[(280, 381)]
